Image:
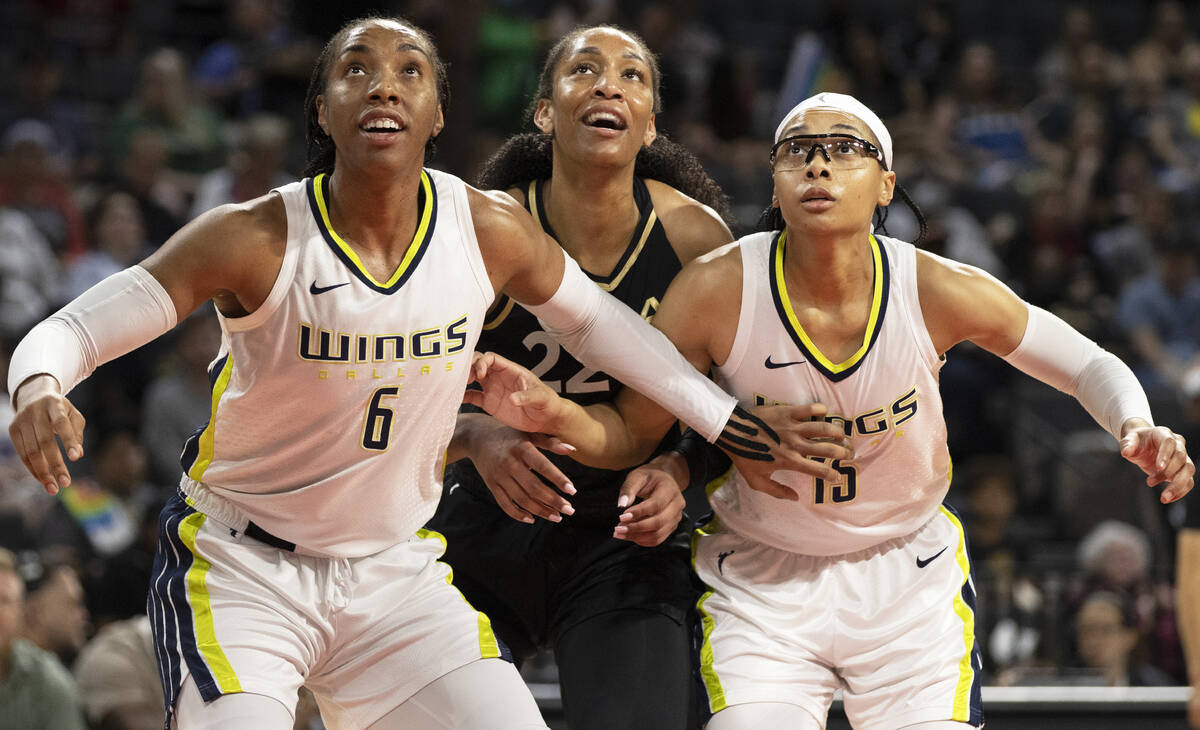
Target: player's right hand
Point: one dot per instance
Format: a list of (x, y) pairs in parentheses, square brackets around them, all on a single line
[(513, 395), (767, 439), (510, 463), (42, 414)]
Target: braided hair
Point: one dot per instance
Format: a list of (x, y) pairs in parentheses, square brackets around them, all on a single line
[(530, 156), (321, 151)]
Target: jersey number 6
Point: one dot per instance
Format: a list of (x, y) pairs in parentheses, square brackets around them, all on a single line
[(377, 423)]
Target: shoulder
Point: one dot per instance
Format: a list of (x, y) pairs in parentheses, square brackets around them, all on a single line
[(948, 282), (497, 213), (261, 220), (713, 278), (692, 227), (961, 302)]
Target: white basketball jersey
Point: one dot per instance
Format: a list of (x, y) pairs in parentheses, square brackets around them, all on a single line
[(333, 403), (885, 396)]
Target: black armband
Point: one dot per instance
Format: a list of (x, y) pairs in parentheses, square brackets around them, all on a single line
[(705, 461)]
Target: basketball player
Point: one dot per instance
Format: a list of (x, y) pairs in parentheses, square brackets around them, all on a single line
[(350, 304), (861, 581), (603, 592)]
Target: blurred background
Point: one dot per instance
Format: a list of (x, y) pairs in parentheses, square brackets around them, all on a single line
[(1054, 144)]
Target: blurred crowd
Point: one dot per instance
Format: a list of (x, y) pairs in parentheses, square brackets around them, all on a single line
[(1055, 145)]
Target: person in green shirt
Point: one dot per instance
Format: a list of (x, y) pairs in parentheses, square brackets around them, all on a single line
[(35, 689)]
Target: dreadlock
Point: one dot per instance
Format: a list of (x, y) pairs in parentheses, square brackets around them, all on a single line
[(321, 152)]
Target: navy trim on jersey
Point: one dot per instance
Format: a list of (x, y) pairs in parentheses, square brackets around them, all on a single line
[(426, 217), (191, 447), (814, 357), (646, 220)]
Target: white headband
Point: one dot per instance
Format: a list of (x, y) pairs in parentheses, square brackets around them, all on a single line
[(846, 105)]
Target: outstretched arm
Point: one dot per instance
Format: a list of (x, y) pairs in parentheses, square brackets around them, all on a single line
[(964, 303), (230, 255), (600, 331), (699, 316)]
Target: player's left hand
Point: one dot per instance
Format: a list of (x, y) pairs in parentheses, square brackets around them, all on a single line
[(512, 394), (1162, 454), (656, 516)]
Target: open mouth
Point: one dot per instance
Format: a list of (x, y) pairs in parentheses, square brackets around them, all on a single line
[(815, 195), (604, 120), (381, 126)]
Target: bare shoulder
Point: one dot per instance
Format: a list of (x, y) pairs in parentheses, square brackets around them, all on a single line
[(498, 218), (692, 227), (713, 278), (231, 253), (961, 302), (944, 282)]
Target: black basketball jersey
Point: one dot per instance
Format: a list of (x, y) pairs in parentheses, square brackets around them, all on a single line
[(639, 280)]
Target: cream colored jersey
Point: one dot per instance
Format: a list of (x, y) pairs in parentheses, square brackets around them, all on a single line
[(333, 403), (885, 396)]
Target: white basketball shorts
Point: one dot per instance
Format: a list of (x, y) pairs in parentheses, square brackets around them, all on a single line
[(363, 634), (892, 626)]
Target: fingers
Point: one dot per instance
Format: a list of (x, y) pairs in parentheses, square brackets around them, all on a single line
[(551, 443), (508, 507), (33, 460), (652, 520), (534, 461)]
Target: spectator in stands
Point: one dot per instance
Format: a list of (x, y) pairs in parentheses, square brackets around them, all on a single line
[(262, 64), (97, 517), (39, 96), (35, 690), (30, 184), (164, 102), (118, 236), (1160, 313), (180, 399), (254, 167), (1115, 557), (118, 678), (143, 174), (28, 271), (1107, 638), (56, 619)]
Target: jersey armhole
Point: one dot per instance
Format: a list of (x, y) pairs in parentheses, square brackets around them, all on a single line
[(745, 323), (907, 262), (296, 206)]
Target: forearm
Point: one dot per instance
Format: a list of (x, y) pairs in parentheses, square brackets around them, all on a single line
[(116, 316), (601, 436), (605, 334), (1056, 354)]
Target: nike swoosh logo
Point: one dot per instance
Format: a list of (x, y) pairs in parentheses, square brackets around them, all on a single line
[(454, 486), (314, 289), (775, 365), (721, 560), (927, 561)]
